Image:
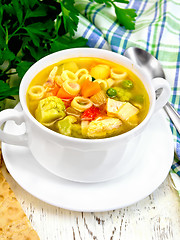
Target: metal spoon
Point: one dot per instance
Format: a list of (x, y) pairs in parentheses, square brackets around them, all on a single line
[(151, 65)]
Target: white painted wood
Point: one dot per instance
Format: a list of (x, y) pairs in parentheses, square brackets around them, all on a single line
[(157, 217)]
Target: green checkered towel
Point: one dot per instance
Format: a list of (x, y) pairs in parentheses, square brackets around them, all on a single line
[(157, 31)]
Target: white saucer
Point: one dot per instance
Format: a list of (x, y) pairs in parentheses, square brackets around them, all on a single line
[(156, 153)]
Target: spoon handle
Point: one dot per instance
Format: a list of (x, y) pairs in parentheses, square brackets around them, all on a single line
[(174, 116)]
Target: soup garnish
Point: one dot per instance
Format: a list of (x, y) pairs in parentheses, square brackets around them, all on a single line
[(88, 98)]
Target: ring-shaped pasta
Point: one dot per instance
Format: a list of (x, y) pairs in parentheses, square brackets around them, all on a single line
[(110, 82), (84, 77), (81, 72), (53, 73), (81, 103), (36, 92), (71, 87), (103, 84), (68, 75), (117, 75), (58, 80)]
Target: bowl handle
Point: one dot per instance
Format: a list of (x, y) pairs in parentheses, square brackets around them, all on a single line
[(18, 117), (161, 83)]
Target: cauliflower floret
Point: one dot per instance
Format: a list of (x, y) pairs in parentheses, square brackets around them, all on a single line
[(49, 109), (104, 127)]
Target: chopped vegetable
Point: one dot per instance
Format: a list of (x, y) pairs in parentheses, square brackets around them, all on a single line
[(111, 92), (55, 90), (126, 97), (50, 109), (127, 84), (90, 114), (100, 71), (99, 98), (122, 94), (89, 88), (76, 130), (73, 112), (120, 91), (71, 66), (65, 125), (138, 99), (63, 94)]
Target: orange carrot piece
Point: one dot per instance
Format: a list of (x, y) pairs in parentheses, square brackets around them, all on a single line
[(63, 94), (89, 88), (55, 90), (85, 85)]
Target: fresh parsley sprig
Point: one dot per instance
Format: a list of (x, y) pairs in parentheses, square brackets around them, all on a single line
[(125, 17)]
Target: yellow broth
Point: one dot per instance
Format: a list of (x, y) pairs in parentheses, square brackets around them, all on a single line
[(77, 126)]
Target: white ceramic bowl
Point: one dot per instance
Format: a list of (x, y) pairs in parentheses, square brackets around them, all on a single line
[(84, 160)]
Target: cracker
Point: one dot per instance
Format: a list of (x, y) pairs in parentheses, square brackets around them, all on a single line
[(14, 224)]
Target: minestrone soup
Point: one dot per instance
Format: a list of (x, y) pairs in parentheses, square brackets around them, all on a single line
[(88, 98)]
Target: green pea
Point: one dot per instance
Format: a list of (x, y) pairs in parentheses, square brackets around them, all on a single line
[(127, 84), (111, 92)]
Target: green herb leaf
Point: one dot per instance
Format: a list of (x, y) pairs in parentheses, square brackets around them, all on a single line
[(22, 67), (6, 91), (110, 2), (6, 54), (18, 9), (65, 43), (70, 16), (126, 17), (122, 1), (38, 12)]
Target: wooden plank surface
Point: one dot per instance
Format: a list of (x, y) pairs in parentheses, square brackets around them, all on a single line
[(157, 217)]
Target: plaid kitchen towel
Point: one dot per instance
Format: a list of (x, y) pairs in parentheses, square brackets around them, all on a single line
[(157, 31)]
